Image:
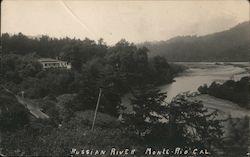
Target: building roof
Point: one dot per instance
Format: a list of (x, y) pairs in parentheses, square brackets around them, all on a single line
[(49, 60)]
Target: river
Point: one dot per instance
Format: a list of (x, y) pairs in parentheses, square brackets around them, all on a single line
[(201, 73)]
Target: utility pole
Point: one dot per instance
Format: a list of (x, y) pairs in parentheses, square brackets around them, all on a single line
[(1, 62), (1, 46), (96, 109), (248, 153)]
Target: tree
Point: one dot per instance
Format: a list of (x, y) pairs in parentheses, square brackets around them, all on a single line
[(147, 104), (236, 91), (193, 124), (203, 89), (238, 136), (13, 115), (179, 123), (161, 68), (98, 74)]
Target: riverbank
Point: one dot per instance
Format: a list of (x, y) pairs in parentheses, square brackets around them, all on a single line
[(229, 112), (224, 107), (200, 73)]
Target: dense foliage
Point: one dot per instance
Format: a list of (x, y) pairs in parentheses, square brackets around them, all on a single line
[(179, 123), (94, 65), (236, 91), (41, 139), (237, 142), (66, 96), (12, 116), (148, 109)]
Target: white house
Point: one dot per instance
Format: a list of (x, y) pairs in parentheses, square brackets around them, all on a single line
[(54, 63)]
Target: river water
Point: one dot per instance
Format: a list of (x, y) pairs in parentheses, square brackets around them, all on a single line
[(201, 73)]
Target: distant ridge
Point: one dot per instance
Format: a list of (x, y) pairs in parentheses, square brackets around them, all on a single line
[(228, 45)]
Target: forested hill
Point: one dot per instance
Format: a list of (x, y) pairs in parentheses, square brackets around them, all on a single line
[(229, 45)]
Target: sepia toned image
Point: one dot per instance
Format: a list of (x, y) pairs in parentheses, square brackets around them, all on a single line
[(125, 78)]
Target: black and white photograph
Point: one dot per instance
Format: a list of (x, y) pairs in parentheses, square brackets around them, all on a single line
[(125, 78)]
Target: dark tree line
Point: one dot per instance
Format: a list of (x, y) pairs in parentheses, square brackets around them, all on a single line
[(95, 65), (180, 123), (119, 69), (236, 91)]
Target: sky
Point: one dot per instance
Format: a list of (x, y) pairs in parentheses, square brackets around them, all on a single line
[(136, 21)]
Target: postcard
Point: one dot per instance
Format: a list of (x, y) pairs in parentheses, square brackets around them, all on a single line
[(125, 78)]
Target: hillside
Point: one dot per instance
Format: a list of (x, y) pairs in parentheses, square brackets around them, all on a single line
[(229, 45)]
